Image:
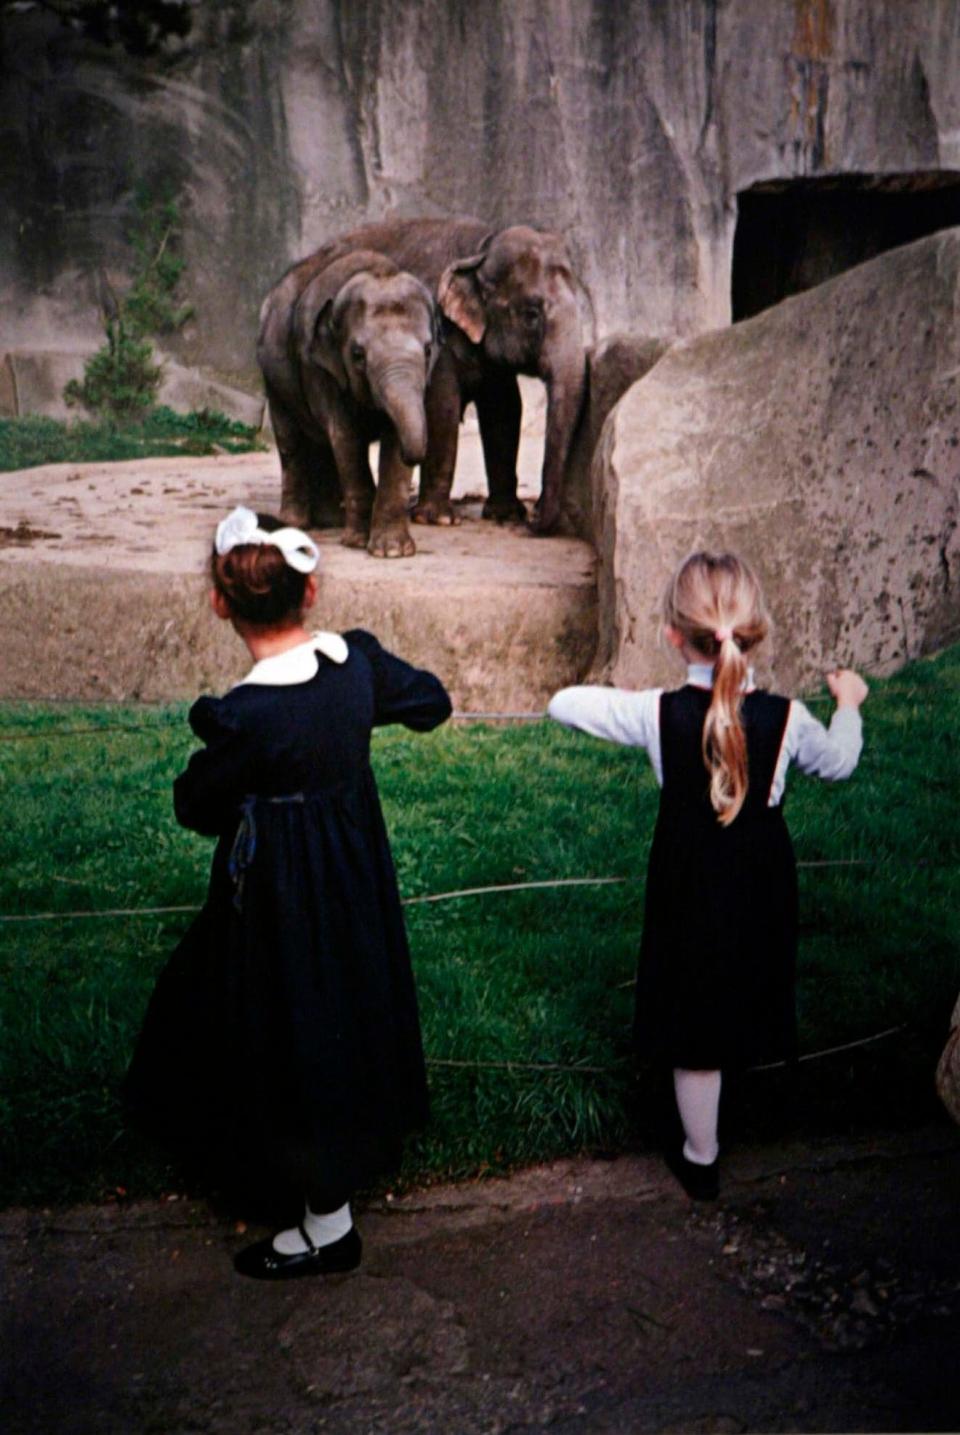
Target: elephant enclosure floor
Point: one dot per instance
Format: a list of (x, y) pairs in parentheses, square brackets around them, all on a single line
[(102, 589)]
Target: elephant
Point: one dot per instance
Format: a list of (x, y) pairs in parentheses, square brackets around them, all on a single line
[(346, 349), (510, 304)]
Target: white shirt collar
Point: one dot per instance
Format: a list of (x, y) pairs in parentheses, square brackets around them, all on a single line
[(299, 664), (701, 676)]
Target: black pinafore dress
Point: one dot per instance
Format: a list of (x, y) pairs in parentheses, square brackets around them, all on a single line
[(716, 977)]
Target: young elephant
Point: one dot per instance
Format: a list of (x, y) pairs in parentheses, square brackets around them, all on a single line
[(511, 302), (347, 349)]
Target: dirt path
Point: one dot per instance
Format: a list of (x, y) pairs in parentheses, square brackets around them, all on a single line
[(583, 1298)]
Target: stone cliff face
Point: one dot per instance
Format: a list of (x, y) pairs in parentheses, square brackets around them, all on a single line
[(630, 126)]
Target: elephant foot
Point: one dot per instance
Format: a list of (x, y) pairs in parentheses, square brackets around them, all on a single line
[(391, 541), (326, 515), (354, 538), (436, 510), (544, 522), (505, 510), (296, 515)]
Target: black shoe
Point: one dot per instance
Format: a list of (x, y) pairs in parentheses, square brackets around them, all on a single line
[(263, 1263), (701, 1183)]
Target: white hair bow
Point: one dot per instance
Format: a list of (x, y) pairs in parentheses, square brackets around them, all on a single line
[(241, 526)]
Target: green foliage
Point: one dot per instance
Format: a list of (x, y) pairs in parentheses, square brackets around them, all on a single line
[(32, 440), (150, 306), (120, 381), (541, 977)]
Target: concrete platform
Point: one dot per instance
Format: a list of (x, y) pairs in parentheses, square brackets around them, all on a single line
[(102, 586)]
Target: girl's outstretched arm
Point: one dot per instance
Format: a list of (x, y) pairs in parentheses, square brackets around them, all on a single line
[(617, 714), (831, 753), (403, 693)]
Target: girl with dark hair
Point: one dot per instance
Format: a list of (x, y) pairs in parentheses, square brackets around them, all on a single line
[(715, 984), (282, 1042)]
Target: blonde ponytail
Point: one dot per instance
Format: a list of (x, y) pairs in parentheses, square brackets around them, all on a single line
[(724, 740), (714, 601)]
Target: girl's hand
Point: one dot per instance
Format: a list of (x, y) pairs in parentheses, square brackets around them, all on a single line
[(848, 688)]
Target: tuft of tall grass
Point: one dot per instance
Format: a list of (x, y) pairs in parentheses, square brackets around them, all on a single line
[(526, 997)]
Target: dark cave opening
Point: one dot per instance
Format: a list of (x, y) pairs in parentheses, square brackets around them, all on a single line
[(793, 234)]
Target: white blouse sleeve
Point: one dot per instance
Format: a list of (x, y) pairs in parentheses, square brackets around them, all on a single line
[(831, 753), (617, 714)]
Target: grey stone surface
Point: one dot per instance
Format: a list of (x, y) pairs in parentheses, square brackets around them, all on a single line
[(821, 439), (32, 382), (630, 128)]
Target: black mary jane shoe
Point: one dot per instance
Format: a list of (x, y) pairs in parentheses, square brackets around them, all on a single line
[(262, 1263), (701, 1183)]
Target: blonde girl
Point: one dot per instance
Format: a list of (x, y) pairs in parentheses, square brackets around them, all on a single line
[(715, 983)]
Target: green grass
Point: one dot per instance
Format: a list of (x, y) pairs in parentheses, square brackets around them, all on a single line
[(533, 977), (31, 440)]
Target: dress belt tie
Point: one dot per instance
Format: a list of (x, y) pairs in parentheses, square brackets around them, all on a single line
[(245, 843)]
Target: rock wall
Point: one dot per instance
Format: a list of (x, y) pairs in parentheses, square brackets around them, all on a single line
[(629, 126), (821, 440)]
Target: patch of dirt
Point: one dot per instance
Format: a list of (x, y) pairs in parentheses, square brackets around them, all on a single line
[(23, 535)]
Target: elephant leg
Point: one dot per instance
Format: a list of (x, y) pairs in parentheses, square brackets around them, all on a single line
[(356, 481), (443, 406), (309, 483), (389, 533), (499, 411)]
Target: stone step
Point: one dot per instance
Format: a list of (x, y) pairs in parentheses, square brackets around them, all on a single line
[(103, 588)]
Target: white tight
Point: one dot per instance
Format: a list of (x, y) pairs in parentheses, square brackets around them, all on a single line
[(698, 1101)]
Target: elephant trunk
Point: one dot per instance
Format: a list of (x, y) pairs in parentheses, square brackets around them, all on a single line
[(566, 381), (400, 394)]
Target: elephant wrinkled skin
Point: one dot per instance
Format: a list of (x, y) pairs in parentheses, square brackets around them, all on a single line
[(347, 348), (510, 304)]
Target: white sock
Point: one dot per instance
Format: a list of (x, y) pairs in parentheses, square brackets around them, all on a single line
[(323, 1230), (698, 1101)]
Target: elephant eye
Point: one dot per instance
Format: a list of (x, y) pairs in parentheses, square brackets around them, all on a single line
[(531, 314), (358, 354)]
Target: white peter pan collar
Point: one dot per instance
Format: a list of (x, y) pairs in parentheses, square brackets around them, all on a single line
[(299, 664), (700, 675)]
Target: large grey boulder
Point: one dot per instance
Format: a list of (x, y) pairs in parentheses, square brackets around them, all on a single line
[(822, 441)]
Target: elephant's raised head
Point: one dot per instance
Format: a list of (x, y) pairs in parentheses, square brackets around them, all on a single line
[(377, 336), (518, 298)]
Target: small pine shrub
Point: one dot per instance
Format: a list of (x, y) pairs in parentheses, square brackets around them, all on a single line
[(121, 380)]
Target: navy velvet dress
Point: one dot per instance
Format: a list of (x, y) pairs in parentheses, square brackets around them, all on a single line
[(282, 1042), (716, 979)]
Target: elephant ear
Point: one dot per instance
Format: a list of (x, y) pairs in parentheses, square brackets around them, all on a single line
[(325, 345), (460, 297)]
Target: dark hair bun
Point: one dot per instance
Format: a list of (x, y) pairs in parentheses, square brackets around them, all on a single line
[(257, 583)]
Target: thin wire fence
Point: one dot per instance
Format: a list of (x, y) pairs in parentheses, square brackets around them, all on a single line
[(107, 729), (177, 720)]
